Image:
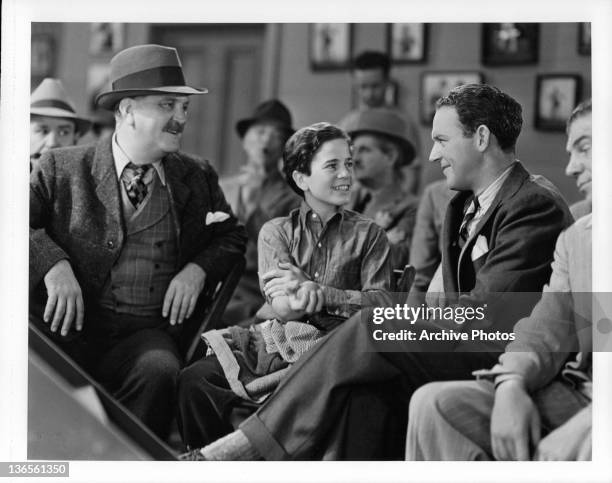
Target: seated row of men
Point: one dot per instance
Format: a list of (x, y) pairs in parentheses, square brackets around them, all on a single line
[(125, 234)]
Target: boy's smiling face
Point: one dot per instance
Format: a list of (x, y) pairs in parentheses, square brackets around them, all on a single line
[(328, 187)]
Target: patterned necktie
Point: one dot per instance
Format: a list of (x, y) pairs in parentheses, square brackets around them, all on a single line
[(469, 215), (133, 180)]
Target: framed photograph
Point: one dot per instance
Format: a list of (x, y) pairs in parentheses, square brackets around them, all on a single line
[(407, 42), (510, 43), (556, 97), (42, 61), (330, 46), (106, 38), (438, 84), (584, 38)]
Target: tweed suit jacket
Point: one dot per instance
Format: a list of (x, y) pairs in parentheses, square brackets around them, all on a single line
[(76, 214), (561, 322), (519, 230)]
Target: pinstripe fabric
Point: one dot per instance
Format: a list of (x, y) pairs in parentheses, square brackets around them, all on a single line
[(451, 421), (140, 277)]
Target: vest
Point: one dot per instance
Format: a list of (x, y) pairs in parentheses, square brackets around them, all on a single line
[(148, 261)]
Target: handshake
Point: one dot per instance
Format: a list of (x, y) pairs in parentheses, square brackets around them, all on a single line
[(291, 293)]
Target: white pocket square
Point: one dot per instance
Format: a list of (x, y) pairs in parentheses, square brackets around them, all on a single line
[(481, 247), (216, 217)]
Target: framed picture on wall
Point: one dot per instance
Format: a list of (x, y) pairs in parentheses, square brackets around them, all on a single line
[(510, 43), (584, 38), (407, 42), (106, 38), (556, 97), (438, 84), (42, 60), (330, 46)]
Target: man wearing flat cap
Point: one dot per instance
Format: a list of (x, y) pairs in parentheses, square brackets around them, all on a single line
[(125, 233), (257, 194), (53, 119), (381, 149)]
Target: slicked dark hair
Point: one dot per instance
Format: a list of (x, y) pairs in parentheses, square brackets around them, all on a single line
[(478, 104), (371, 59), (302, 147), (582, 109)]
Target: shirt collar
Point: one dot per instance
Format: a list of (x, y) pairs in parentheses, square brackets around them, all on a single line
[(488, 195), (122, 160), (306, 211)]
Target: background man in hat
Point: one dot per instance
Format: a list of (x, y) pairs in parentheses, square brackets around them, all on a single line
[(380, 151), (124, 234), (54, 122), (258, 194), (371, 79)]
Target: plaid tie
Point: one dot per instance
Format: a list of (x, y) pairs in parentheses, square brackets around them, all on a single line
[(469, 215), (133, 180)]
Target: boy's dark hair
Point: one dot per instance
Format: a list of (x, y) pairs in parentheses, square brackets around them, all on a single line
[(302, 147), (582, 109), (478, 104), (371, 59)]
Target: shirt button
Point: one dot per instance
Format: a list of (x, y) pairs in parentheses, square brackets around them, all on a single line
[(319, 245), (316, 274), (110, 244), (314, 216)]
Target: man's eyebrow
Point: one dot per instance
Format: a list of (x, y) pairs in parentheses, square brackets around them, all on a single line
[(582, 138)]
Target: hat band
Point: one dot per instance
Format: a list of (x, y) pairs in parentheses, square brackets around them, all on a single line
[(155, 77), (53, 103)]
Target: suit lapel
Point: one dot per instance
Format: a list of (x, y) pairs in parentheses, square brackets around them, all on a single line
[(105, 178), (179, 191), (450, 257)]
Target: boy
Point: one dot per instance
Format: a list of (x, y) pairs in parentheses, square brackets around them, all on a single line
[(317, 266)]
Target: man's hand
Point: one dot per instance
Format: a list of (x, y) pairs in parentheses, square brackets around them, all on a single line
[(383, 219), (183, 292), (64, 301), (396, 235), (569, 442), (284, 280), (515, 422)]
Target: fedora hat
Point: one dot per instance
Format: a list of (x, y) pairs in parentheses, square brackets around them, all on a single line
[(272, 111), (384, 121), (144, 70), (49, 99)]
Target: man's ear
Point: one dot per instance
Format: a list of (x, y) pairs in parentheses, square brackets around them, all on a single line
[(299, 180), (482, 137), (126, 110)]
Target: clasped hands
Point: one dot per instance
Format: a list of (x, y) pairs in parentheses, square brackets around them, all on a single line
[(65, 300), (304, 296)]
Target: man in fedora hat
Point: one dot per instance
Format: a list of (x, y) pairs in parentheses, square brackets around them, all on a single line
[(125, 233), (54, 122), (380, 150), (258, 194)]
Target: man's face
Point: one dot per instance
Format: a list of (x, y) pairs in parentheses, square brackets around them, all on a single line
[(50, 132), (457, 154), (158, 122), (371, 85), (331, 176), (370, 162), (579, 139), (263, 143)]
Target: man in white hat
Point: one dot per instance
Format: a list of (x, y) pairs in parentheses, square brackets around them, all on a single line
[(54, 122), (125, 233)]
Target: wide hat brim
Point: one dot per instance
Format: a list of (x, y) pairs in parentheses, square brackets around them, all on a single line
[(108, 100), (243, 125), (82, 125)]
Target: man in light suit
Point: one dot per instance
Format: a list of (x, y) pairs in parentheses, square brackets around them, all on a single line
[(502, 242), (538, 388), (125, 233)]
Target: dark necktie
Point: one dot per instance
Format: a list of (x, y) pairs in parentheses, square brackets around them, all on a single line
[(469, 215), (133, 180)]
